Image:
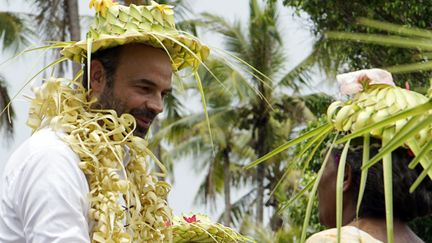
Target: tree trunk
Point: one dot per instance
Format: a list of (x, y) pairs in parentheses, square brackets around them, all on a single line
[(261, 150), (74, 27), (276, 220), (260, 194), (227, 188), (157, 151)]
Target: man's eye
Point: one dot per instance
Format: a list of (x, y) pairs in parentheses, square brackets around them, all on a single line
[(143, 88)]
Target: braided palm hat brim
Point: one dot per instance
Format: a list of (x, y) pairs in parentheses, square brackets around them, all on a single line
[(184, 51), (151, 25)]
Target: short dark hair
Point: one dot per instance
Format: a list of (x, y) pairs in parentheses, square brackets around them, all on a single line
[(406, 206), (109, 59)]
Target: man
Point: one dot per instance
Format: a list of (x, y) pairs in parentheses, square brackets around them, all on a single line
[(83, 176), (137, 85)]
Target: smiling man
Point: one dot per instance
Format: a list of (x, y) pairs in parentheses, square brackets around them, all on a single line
[(132, 79), (84, 174)]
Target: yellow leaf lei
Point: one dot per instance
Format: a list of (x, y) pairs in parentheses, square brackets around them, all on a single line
[(102, 140)]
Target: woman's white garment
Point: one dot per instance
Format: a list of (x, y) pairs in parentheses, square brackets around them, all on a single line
[(349, 234)]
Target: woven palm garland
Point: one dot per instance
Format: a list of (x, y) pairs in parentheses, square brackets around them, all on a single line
[(102, 139)]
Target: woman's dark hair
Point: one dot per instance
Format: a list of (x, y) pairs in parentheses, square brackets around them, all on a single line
[(109, 59), (406, 206)]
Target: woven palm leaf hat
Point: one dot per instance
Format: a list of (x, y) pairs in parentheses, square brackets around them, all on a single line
[(375, 98), (153, 25)]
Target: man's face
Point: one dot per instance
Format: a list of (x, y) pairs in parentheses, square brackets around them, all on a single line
[(141, 81)]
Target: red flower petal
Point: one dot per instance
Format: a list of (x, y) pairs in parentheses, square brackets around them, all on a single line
[(191, 219)]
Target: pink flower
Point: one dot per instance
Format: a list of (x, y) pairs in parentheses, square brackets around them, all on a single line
[(352, 83), (191, 219)]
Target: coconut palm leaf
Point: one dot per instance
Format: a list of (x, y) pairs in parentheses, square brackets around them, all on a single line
[(6, 119), (403, 37), (14, 31), (243, 206), (323, 57), (15, 34)]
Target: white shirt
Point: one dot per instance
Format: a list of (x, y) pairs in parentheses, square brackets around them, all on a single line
[(44, 193)]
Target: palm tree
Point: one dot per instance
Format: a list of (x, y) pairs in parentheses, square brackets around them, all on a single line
[(15, 31), (261, 47), (7, 117), (15, 35), (58, 20)]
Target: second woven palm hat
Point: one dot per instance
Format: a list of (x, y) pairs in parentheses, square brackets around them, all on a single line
[(116, 25)]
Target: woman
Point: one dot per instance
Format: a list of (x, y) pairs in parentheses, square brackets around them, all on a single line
[(370, 226), (374, 98)]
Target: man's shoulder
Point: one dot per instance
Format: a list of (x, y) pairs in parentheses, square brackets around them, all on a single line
[(43, 141), (43, 144), (46, 138)]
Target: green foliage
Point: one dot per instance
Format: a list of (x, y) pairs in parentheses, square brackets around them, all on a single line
[(317, 160), (342, 16), (261, 234), (296, 211), (14, 32), (260, 108), (14, 35), (6, 115), (318, 103)]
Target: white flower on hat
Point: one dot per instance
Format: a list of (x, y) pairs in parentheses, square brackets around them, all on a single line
[(352, 82)]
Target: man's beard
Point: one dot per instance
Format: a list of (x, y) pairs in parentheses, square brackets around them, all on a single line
[(109, 101)]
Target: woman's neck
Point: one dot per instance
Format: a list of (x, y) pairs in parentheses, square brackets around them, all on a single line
[(376, 227)]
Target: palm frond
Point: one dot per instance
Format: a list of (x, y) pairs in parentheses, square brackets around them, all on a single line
[(243, 206), (14, 31), (235, 40), (6, 119)]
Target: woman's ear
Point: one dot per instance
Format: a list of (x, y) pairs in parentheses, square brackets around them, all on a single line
[(347, 182), (97, 77)]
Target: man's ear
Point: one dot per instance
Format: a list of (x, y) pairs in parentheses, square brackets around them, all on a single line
[(347, 182), (97, 77)]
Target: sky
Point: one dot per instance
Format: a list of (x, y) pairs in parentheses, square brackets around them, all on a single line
[(298, 44)]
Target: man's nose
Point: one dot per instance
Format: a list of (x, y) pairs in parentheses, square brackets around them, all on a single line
[(156, 104)]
